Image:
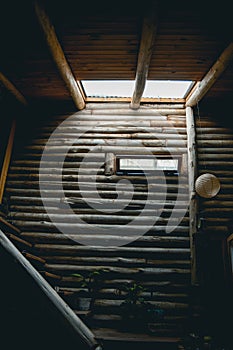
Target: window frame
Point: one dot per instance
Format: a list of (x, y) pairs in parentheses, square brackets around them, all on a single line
[(120, 171)]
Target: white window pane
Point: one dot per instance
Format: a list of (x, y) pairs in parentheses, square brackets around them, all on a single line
[(137, 164)]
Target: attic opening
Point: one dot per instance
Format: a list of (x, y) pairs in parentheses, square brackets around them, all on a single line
[(170, 89)]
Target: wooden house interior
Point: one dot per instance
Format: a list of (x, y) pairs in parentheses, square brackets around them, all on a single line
[(116, 210)]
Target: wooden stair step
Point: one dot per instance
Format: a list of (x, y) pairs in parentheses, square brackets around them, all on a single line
[(103, 334), (5, 224), (17, 240)]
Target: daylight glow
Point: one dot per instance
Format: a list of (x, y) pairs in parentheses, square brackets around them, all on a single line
[(166, 88), (125, 88)]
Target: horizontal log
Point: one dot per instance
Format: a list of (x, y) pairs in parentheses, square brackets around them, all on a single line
[(110, 132), (109, 251), (217, 203), (158, 241), (204, 122), (218, 172), (201, 130), (49, 187), (71, 200), (67, 174), (53, 210), (209, 163), (122, 129), (220, 212), (54, 207), (31, 171), (101, 180), (216, 143), (104, 119), (216, 137), (61, 268), (163, 305), (220, 156), (105, 144), (145, 112), (52, 164), (115, 261), (94, 138), (220, 229), (99, 151), (113, 294), (135, 229), (150, 286), (80, 221), (117, 106), (111, 182), (214, 150)]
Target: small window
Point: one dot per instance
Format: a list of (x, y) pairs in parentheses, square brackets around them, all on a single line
[(141, 165)]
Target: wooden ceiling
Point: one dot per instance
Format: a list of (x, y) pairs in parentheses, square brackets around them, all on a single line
[(101, 40)]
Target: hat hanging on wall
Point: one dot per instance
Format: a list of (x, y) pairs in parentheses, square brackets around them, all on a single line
[(207, 185)]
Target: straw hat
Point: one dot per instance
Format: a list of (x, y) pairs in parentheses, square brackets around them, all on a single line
[(207, 185)]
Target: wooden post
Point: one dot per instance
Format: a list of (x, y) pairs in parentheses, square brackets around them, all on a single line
[(7, 158), (149, 30), (71, 318), (59, 58), (110, 164), (192, 174)]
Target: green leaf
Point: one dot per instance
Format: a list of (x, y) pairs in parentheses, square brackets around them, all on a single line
[(77, 275)]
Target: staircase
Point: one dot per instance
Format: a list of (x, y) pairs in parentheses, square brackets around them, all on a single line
[(105, 318)]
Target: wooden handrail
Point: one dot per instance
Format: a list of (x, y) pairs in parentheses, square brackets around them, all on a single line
[(68, 314)]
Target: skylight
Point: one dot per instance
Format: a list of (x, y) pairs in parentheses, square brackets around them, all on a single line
[(125, 88)]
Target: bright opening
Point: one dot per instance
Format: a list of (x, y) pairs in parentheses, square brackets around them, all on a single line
[(125, 88)]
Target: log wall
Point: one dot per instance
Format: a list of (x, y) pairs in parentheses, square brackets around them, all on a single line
[(215, 155), (159, 259)]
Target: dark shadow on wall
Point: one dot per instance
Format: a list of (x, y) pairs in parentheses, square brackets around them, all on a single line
[(28, 320)]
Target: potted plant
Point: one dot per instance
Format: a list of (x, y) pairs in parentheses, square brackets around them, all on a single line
[(136, 313), (90, 285)]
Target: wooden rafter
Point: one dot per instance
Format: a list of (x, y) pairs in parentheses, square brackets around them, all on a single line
[(149, 30), (202, 87), (12, 89), (59, 58)]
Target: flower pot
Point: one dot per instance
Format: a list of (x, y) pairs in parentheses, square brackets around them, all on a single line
[(84, 303)]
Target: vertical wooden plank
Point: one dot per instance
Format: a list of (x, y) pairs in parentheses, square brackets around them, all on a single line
[(7, 158), (192, 174), (110, 164)]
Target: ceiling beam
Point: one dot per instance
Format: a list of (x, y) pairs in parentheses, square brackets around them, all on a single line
[(12, 89), (202, 87), (149, 30), (59, 58)]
